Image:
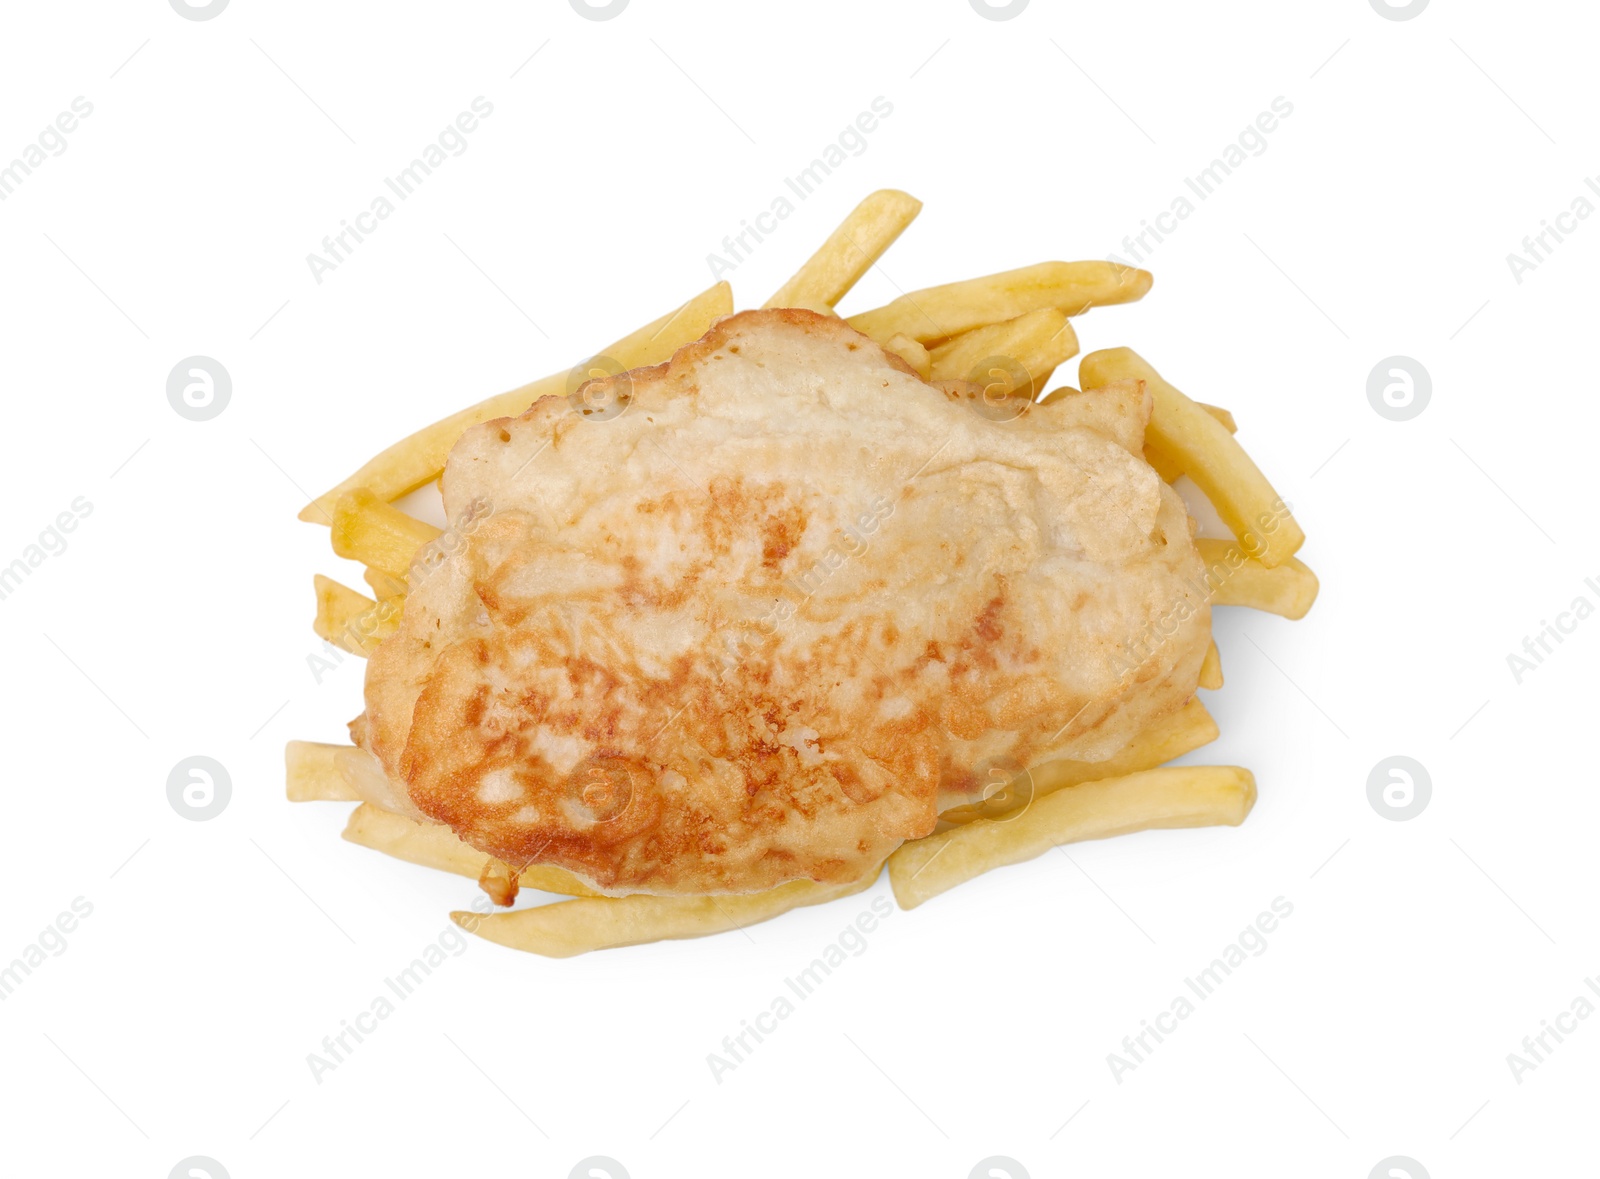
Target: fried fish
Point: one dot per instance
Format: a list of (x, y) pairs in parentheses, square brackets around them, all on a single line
[(760, 613)]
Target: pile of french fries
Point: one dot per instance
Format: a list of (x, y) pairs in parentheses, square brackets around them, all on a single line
[(942, 333)]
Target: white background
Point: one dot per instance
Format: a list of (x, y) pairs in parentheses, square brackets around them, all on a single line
[(177, 222)]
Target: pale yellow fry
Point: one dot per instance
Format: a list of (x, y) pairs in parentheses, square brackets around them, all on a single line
[(1239, 580), (566, 928), (849, 252), (1173, 796), (1211, 669), (350, 620), (367, 778), (433, 845), (420, 458), (912, 353), (997, 354), (657, 340), (369, 530), (383, 585), (1204, 450), (1172, 736), (938, 313), (1168, 467), (312, 774), (1056, 395), (1221, 415)]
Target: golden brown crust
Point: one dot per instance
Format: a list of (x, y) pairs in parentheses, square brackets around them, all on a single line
[(772, 606)]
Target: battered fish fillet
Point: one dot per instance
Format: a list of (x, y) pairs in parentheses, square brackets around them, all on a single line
[(759, 613)]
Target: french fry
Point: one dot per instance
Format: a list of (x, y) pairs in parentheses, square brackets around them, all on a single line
[(1240, 580), (311, 771), (1211, 669), (657, 340), (1221, 415), (349, 620), (1202, 447), (367, 529), (433, 845), (1174, 796), (420, 458), (384, 585), (1166, 467), (937, 313), (566, 928), (912, 353), (1172, 736), (1037, 342), (366, 776), (390, 591), (1057, 394), (863, 236)]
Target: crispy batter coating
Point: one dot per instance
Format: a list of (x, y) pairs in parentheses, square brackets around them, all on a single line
[(757, 614)]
